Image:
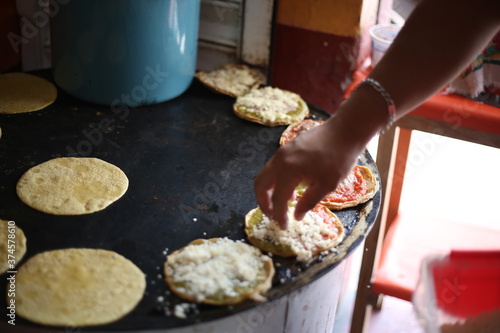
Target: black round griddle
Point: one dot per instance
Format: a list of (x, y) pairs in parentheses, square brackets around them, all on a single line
[(191, 164)]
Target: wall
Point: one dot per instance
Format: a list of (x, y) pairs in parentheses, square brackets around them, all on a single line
[(10, 60), (317, 44)]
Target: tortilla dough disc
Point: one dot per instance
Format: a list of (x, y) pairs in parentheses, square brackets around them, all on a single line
[(72, 186), (21, 92), (77, 287), (231, 79), (7, 250)]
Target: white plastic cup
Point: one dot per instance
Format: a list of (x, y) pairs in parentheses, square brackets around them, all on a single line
[(382, 37)]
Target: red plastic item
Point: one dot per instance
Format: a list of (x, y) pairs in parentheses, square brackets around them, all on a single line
[(449, 108), (468, 283), (412, 238), (459, 292)]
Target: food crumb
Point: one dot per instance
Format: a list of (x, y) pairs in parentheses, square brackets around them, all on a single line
[(181, 310)]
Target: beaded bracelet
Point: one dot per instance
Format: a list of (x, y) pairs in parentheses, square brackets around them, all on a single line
[(391, 108)]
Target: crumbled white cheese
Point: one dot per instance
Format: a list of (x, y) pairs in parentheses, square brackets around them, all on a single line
[(180, 311), (270, 103), (211, 268), (233, 79), (306, 237)]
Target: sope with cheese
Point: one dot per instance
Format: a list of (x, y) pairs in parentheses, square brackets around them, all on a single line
[(231, 79), (271, 106), (320, 230), (219, 271)]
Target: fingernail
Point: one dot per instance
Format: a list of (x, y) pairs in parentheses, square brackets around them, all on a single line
[(284, 224), (300, 217)]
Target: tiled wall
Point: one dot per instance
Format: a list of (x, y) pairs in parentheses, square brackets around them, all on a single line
[(317, 44)]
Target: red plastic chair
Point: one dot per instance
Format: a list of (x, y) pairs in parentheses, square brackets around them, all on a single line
[(397, 244)]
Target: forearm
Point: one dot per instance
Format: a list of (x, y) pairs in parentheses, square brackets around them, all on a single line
[(438, 41)]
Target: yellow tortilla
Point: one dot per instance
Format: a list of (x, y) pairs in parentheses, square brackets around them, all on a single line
[(72, 186), (12, 245), (77, 287), (21, 92)]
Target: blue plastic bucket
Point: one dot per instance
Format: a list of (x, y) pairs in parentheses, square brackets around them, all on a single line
[(125, 52)]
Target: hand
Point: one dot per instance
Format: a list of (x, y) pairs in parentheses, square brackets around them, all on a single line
[(319, 158)]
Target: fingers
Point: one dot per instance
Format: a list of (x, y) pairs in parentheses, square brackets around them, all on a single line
[(273, 188), (311, 197), (263, 186), (307, 159), (283, 192)]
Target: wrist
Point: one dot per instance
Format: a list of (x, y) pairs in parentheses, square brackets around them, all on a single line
[(364, 114), (391, 108)]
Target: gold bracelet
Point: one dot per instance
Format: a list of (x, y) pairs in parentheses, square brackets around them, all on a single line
[(391, 108)]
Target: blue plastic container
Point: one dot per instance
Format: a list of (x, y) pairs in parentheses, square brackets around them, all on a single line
[(125, 52)]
